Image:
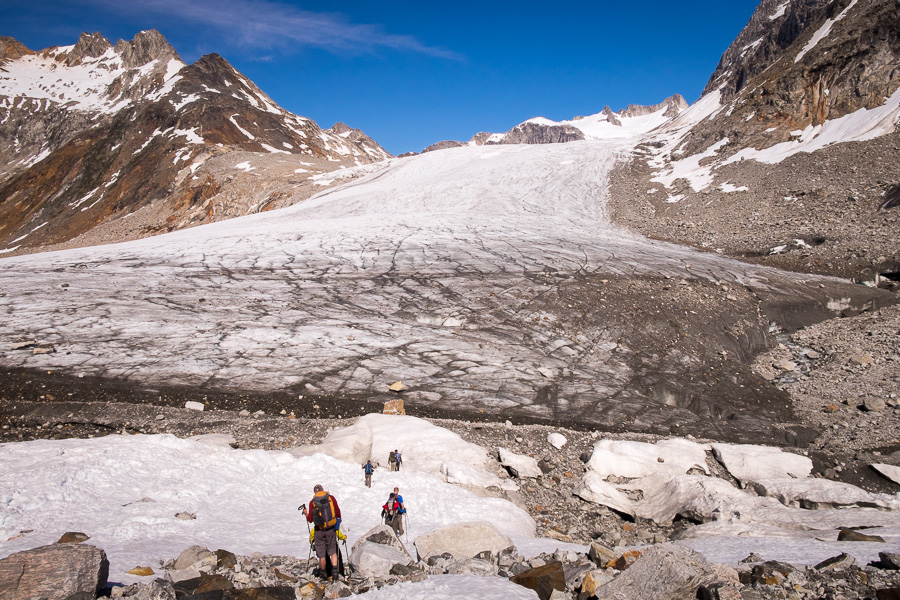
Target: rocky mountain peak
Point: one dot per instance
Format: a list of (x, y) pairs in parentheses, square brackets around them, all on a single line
[(90, 45), (774, 26), (673, 105), (146, 46), (11, 49), (340, 128)]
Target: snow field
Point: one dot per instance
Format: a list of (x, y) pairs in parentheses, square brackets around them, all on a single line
[(124, 492)]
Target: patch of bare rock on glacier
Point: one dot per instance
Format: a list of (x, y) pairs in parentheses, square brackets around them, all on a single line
[(486, 278)]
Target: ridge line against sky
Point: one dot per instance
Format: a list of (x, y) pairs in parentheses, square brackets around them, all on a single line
[(410, 74)]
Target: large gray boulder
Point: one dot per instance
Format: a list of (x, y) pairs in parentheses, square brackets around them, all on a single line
[(376, 552), (158, 589), (55, 572), (668, 571), (463, 540), (196, 557)]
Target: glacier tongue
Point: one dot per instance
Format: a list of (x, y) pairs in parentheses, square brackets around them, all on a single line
[(484, 277)]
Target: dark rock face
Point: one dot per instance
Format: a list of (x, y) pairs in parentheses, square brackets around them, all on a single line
[(443, 146), (538, 133), (783, 72), (673, 105), (762, 41), (55, 572), (90, 45), (796, 65), (11, 49)]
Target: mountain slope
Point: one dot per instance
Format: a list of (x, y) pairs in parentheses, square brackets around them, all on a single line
[(91, 133), (791, 155)]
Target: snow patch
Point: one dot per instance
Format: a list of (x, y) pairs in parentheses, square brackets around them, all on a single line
[(822, 32), (864, 124)]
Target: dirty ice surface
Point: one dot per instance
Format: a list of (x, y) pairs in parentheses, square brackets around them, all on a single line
[(442, 270)]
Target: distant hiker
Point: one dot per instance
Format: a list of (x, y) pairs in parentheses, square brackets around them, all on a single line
[(368, 469), (398, 459), (392, 460), (390, 512), (325, 514), (401, 510)]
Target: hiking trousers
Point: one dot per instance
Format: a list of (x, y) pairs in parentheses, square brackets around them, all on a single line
[(368, 480)]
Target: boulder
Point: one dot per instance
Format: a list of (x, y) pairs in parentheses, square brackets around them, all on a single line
[(771, 572), (518, 464), (333, 590), (158, 589), (874, 404), (311, 590), (463, 540), (592, 581), (472, 566), (377, 551), (850, 535), (666, 571), (195, 557), (889, 471), (626, 560), (53, 572), (225, 559), (557, 440), (73, 537), (889, 560), (835, 563), (394, 407), (600, 554), (202, 585), (543, 580)]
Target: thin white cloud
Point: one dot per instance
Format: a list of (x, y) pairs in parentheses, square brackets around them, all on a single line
[(263, 24)]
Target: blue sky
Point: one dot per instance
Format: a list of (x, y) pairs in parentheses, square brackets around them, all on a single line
[(413, 73)]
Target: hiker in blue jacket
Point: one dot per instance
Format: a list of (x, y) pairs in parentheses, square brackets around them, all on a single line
[(401, 510), (368, 469)]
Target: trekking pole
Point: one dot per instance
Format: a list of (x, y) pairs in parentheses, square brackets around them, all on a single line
[(302, 507)]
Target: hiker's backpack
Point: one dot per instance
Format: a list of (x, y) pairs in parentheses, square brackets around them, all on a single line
[(323, 511), (392, 457), (369, 468), (389, 509)]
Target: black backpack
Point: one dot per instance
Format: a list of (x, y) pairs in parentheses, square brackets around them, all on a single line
[(323, 511)]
